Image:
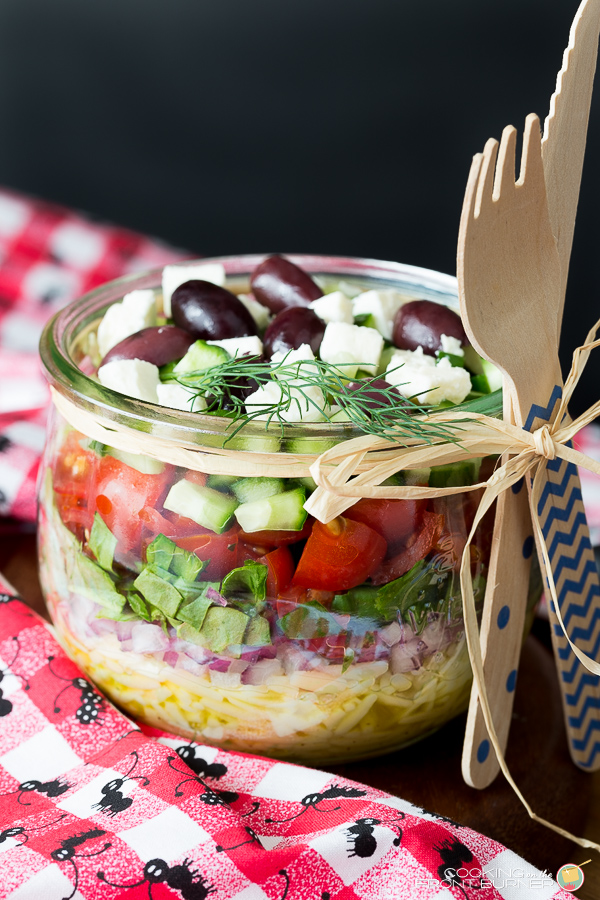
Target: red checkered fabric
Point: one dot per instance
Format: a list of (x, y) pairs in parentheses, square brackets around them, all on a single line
[(48, 257), (93, 807)]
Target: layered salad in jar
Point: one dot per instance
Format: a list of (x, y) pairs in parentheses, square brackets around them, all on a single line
[(214, 605)]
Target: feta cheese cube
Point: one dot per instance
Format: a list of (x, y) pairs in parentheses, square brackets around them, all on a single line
[(251, 345), (351, 347), (134, 377), (303, 356), (178, 397), (173, 276), (451, 345), (335, 307), (261, 314), (136, 310), (419, 376), (382, 305), (294, 404)]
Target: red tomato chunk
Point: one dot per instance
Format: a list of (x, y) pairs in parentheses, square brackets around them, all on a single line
[(416, 548), (339, 556), (394, 520)]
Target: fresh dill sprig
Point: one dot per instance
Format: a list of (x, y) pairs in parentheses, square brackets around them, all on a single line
[(375, 408)]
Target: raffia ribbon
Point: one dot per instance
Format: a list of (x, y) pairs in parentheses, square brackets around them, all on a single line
[(355, 469)]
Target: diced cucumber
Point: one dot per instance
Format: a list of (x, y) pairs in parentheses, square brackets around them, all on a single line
[(257, 443), (309, 483), (249, 489), (144, 464), (341, 416), (221, 482), (409, 477), (385, 359), (366, 319), (281, 512), (455, 474), (473, 360), (166, 372), (492, 377), (310, 445), (199, 357), (203, 505), (455, 360)]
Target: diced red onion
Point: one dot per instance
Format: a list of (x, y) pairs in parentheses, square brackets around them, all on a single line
[(262, 671), (404, 657), (148, 638), (294, 659), (237, 666), (195, 652), (219, 664), (191, 666), (215, 596), (391, 634)]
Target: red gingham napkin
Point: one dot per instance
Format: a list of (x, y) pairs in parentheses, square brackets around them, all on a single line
[(48, 257), (92, 807)]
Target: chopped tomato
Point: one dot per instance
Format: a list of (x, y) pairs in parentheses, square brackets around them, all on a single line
[(196, 477), (121, 493), (459, 513), (417, 547), (277, 538), (394, 520), (247, 551), (155, 523), (280, 564), (220, 549), (339, 556), (73, 479)]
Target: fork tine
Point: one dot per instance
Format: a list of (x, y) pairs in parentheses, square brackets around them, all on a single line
[(531, 158), (505, 167), (469, 205), (486, 176)]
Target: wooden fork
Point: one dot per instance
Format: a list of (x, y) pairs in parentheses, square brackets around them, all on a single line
[(563, 148), (510, 292)]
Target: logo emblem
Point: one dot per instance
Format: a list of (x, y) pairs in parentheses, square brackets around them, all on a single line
[(570, 877)]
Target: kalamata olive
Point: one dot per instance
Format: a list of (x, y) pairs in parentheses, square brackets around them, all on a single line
[(210, 312), (421, 323), (293, 327), (158, 344), (375, 393), (278, 283)]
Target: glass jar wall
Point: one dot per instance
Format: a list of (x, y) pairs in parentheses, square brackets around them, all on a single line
[(318, 643)]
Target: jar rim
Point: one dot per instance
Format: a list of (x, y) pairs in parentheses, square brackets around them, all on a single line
[(63, 373)]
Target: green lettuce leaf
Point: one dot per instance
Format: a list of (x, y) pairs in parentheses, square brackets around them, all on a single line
[(258, 632), (102, 542), (223, 626), (251, 578), (156, 589)]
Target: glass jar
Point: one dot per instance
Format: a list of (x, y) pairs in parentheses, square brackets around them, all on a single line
[(204, 629)]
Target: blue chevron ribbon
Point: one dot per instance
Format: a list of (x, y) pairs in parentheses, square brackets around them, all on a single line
[(564, 526)]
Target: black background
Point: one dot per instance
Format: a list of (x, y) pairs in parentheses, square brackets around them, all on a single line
[(328, 126)]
